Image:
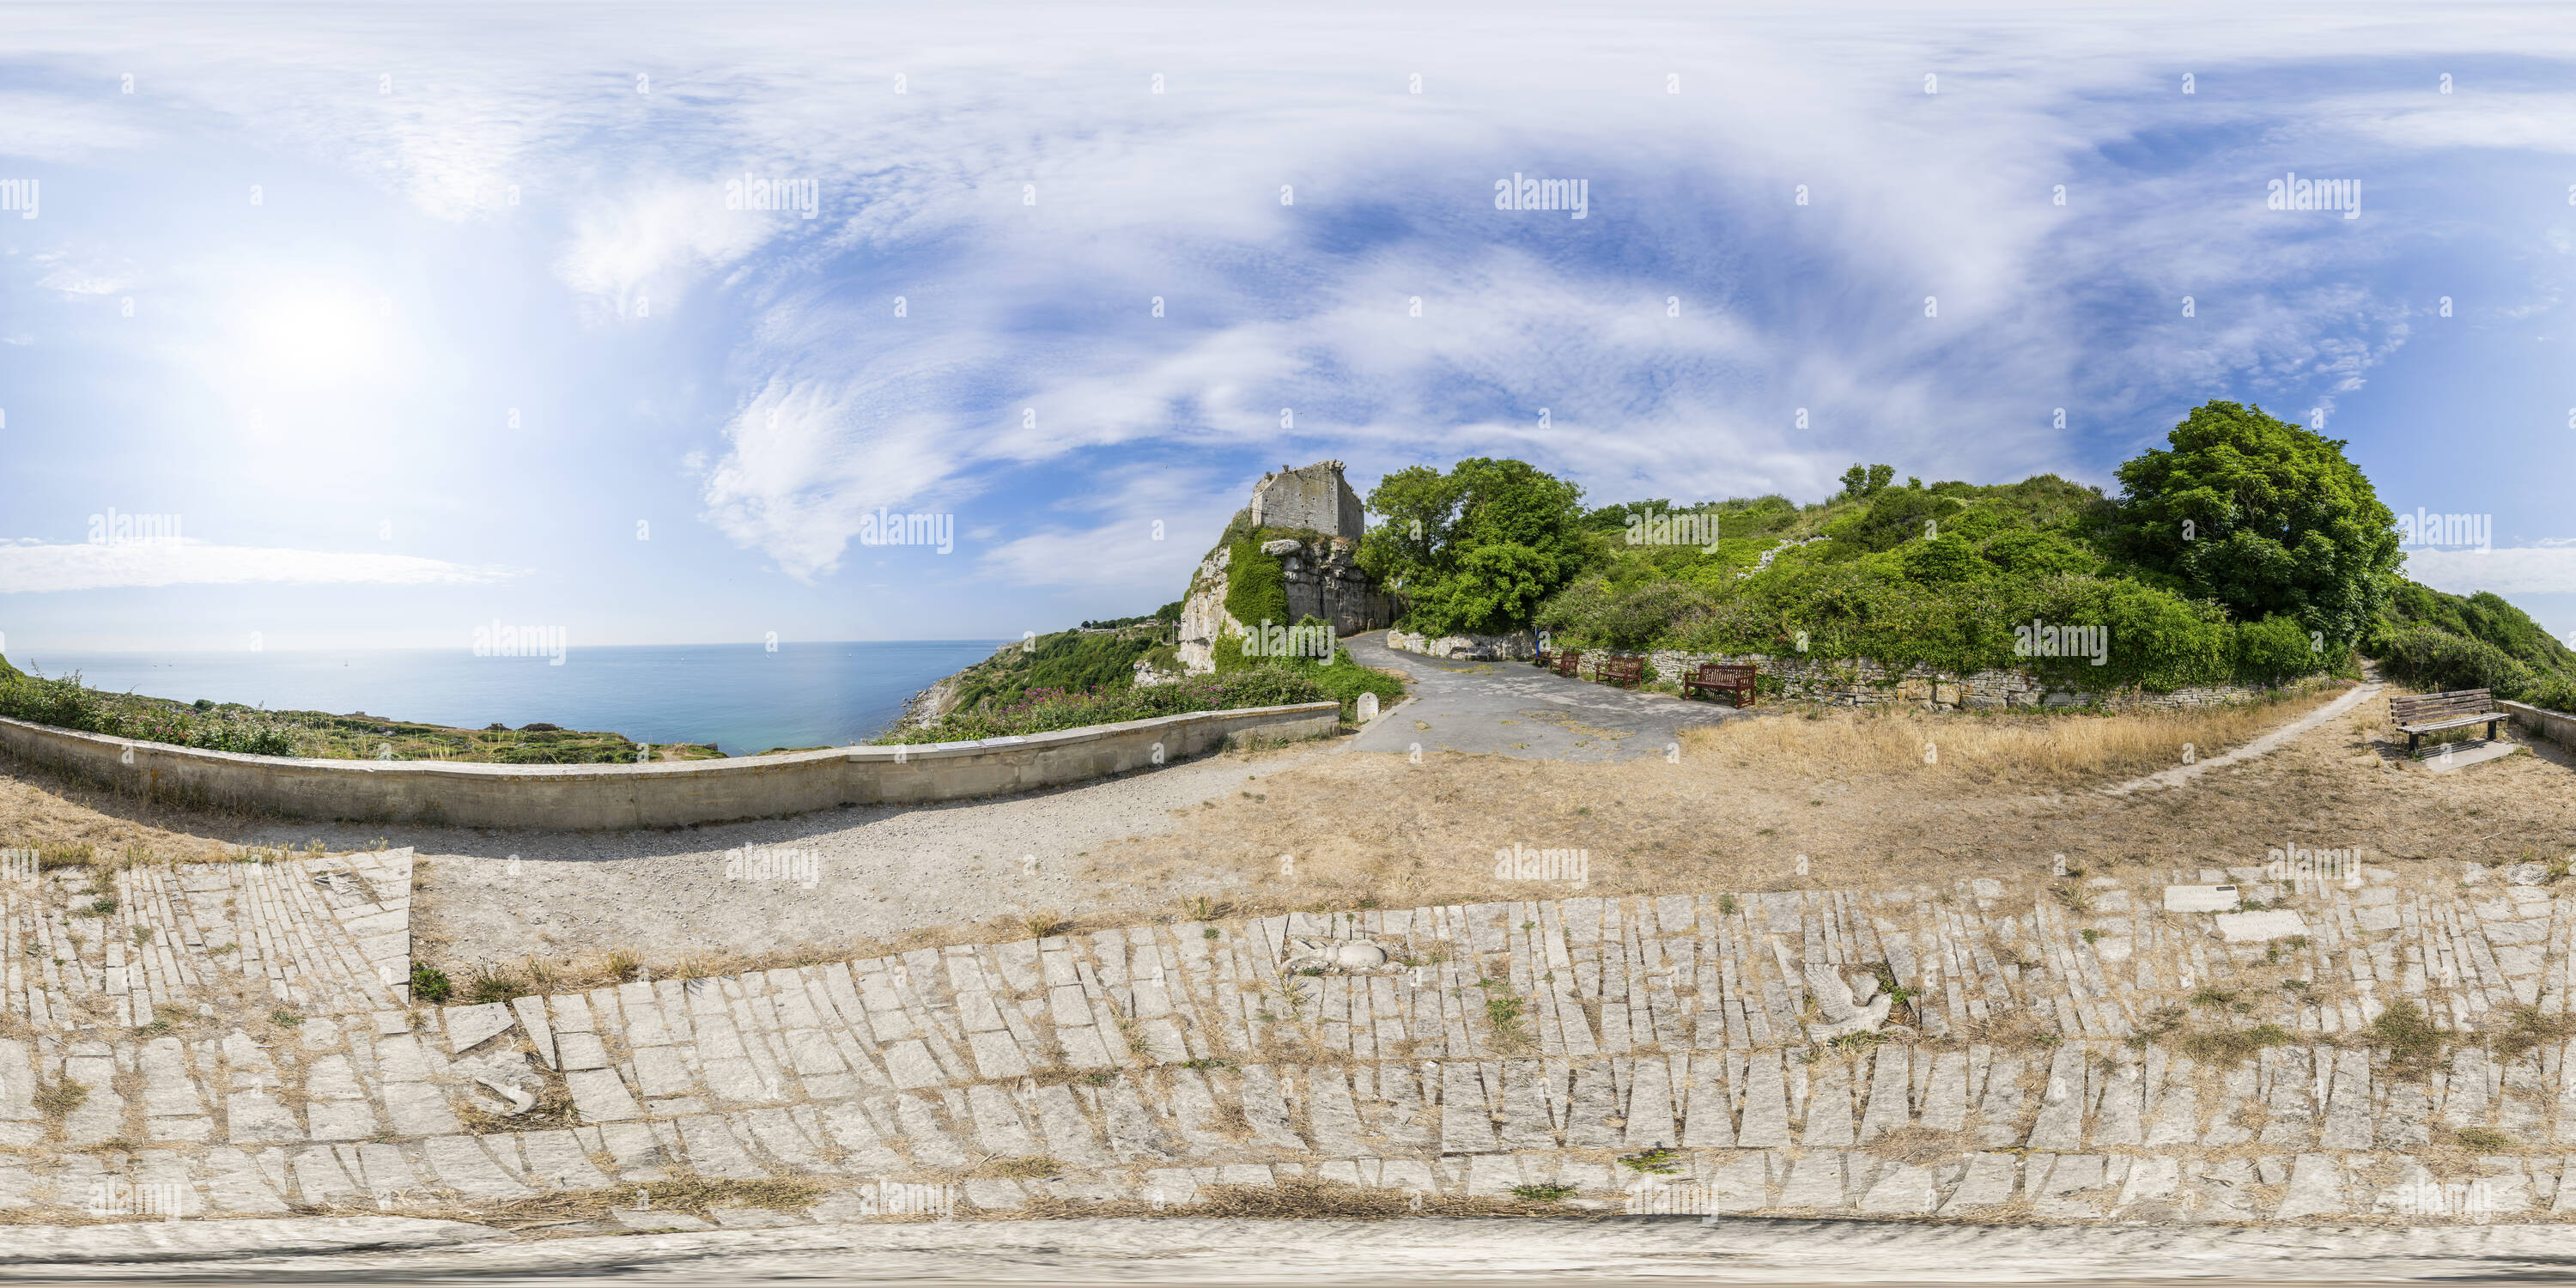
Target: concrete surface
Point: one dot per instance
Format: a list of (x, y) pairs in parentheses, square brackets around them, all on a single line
[(672, 794), (1515, 709)]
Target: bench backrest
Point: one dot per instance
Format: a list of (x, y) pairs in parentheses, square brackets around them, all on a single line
[(2439, 706), (1624, 667), (1723, 673)]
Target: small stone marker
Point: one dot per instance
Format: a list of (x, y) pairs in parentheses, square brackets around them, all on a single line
[(1368, 707), (2200, 898), (2260, 927)]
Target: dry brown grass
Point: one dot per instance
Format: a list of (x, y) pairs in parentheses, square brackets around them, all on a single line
[(1309, 1201), (1920, 1145), (1982, 747)]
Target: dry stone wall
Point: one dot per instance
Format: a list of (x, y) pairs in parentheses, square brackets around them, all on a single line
[(1861, 682)]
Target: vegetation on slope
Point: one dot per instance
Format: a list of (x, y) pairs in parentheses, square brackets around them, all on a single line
[(66, 703), (2246, 549), (1043, 710), (1063, 662)]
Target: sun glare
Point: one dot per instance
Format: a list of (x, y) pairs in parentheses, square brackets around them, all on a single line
[(314, 337)]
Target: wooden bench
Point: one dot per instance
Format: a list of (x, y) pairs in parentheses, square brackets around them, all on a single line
[(1565, 662), (1626, 672), (1721, 677), (2423, 713), (1546, 659)]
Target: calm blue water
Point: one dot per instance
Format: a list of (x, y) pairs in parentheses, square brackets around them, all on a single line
[(740, 697)]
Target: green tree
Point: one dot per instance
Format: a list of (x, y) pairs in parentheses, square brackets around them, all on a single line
[(1862, 482), (1477, 548), (2262, 516)]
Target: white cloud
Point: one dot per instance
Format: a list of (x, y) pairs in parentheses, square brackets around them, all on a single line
[(30, 567), (2545, 569)]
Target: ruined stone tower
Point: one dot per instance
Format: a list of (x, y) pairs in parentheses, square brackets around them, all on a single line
[(1315, 497)]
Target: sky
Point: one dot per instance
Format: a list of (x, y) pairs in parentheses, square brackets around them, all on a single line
[(393, 322)]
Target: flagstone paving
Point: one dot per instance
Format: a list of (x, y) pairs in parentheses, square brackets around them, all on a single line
[(2041, 1065)]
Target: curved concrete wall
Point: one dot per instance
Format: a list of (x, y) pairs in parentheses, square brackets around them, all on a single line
[(657, 795)]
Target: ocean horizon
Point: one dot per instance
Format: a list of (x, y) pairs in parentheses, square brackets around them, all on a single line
[(743, 698)]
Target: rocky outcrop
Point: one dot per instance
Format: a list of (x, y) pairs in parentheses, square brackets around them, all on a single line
[(1517, 646), (1203, 615), (1319, 564)]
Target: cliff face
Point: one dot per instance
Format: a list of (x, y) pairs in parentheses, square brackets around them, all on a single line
[(1203, 615), (1323, 581)]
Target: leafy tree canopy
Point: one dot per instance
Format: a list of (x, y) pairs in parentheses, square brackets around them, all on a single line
[(2262, 516), (1475, 549)]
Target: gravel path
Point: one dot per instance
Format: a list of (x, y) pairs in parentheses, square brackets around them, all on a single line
[(864, 873), (1515, 709)]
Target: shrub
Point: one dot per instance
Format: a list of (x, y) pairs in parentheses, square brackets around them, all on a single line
[(2274, 649), (1043, 710), (2279, 521), (1256, 587), (429, 984)]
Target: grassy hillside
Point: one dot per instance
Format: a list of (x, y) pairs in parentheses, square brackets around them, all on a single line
[(66, 703), (1076, 661), (1941, 573)]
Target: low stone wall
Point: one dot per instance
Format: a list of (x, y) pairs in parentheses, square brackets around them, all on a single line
[(1519, 646), (656, 795), (2556, 726), (1858, 682)]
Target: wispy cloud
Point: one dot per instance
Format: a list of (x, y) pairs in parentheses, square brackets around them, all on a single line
[(34, 566)]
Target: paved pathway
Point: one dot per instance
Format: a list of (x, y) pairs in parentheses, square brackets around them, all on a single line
[(1516, 709)]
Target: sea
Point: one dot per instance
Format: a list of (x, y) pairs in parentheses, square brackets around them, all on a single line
[(743, 698)]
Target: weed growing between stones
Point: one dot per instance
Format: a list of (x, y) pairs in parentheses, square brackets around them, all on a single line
[(2528, 1027), (1660, 1161), (2409, 1040), (430, 984)]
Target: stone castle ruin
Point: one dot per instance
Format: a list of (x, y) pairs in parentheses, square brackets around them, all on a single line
[(1318, 563), (1314, 498)]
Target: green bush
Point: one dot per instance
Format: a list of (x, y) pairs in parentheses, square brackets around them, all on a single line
[(2262, 516), (2275, 649), (2431, 658), (1946, 558), (1044, 710), (65, 703), (429, 984), (1256, 587)]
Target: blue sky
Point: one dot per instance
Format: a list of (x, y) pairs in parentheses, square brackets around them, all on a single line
[(490, 310)]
